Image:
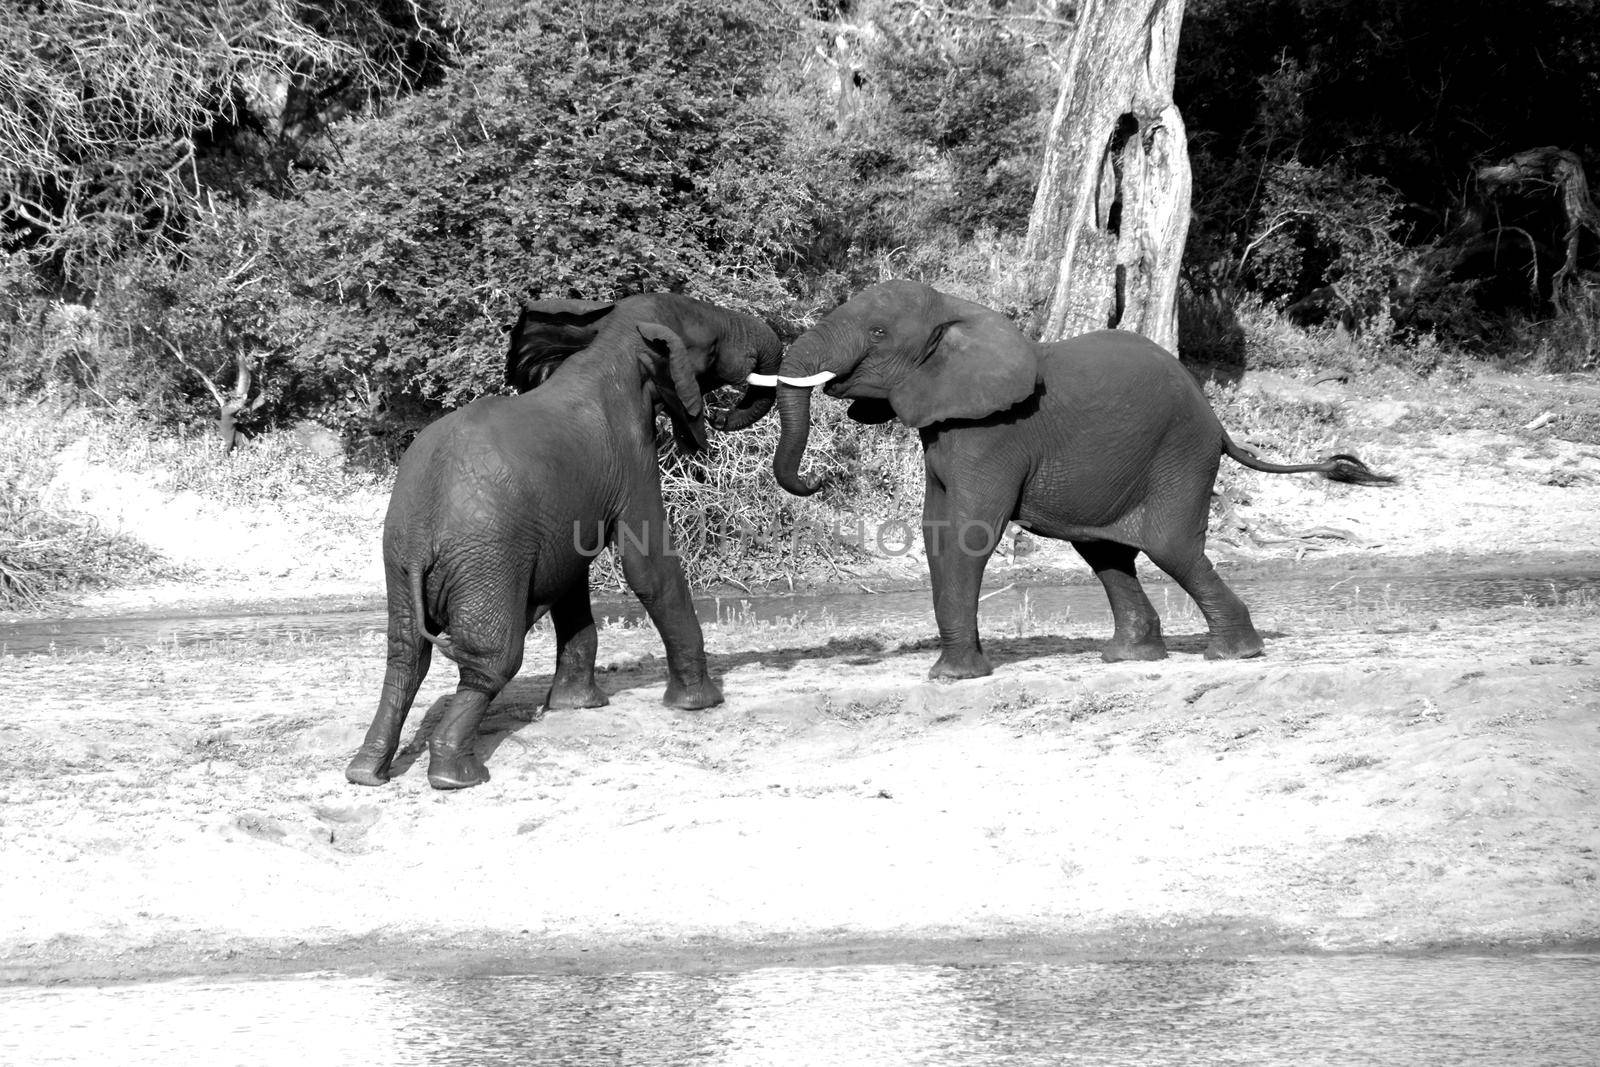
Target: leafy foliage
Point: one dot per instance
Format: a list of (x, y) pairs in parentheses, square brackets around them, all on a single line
[(1376, 116), (979, 107), (941, 143), (587, 147), (1320, 226), (120, 117)]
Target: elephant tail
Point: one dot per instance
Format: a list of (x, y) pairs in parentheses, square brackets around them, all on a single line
[(1339, 467), (419, 615)]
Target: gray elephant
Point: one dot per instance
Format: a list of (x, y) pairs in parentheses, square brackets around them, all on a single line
[(498, 510), (1103, 440)]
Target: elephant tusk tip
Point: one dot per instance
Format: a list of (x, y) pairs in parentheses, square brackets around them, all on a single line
[(810, 380), (762, 379)]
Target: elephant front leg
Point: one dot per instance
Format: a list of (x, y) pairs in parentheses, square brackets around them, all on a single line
[(576, 642), (653, 572), (959, 543)]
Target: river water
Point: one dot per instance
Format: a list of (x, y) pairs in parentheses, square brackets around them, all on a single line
[(1301, 1011), (1084, 603)]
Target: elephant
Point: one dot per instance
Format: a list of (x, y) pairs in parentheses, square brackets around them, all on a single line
[(499, 508), (1103, 440)]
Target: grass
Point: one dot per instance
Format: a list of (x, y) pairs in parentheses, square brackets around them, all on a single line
[(46, 549), (735, 526), (1026, 714), (272, 468)]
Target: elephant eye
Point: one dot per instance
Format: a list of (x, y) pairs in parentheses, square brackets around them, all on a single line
[(877, 333)]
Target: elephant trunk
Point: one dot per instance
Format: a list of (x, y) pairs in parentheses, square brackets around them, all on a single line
[(805, 366), (794, 418), (758, 395)]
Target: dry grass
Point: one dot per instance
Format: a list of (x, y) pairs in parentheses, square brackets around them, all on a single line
[(44, 550), (272, 468)]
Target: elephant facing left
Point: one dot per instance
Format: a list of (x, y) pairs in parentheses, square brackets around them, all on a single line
[(499, 508)]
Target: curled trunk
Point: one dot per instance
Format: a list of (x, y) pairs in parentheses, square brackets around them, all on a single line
[(756, 400), (794, 417), (751, 409)]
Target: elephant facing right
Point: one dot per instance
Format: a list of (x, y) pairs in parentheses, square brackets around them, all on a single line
[(1102, 440)]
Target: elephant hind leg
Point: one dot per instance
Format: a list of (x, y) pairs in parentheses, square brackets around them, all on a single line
[(1233, 635), (409, 657), (487, 639), (1136, 628)]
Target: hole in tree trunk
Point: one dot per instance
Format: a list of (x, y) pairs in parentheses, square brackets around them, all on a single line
[(1120, 294), (1111, 199)]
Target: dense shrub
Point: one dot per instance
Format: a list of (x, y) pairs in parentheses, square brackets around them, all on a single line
[(735, 523), (979, 108), (585, 147), (941, 147), (1366, 123)]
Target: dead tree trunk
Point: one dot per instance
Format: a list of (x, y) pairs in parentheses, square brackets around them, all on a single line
[(1564, 170), (229, 403), (1111, 213)]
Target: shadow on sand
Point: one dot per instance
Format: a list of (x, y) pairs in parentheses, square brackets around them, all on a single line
[(521, 703)]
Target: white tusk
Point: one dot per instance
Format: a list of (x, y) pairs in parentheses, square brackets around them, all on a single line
[(814, 379), (762, 379)]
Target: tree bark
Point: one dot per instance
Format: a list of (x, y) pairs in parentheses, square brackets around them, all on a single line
[(230, 404), (1105, 240)]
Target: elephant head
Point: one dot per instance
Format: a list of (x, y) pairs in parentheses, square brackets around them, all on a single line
[(901, 350), (687, 347)]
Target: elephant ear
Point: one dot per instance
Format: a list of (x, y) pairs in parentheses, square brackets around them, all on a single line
[(977, 363), (673, 370), (546, 333)]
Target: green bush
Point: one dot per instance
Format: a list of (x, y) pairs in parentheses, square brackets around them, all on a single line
[(979, 107), (586, 147)]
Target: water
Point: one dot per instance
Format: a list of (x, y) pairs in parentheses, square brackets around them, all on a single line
[(1278, 1010), (1083, 602)]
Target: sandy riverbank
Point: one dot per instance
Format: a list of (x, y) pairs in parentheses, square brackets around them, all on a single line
[(1386, 777)]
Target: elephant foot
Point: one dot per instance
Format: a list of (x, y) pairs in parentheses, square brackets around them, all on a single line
[(368, 768), (953, 666), (450, 767), (702, 694), (1241, 647), (563, 697), (1121, 652)]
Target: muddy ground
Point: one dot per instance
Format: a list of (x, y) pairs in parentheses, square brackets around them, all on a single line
[(1386, 777)]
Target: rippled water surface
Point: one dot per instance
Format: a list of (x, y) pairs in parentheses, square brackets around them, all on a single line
[(1281, 1010), (1084, 603)]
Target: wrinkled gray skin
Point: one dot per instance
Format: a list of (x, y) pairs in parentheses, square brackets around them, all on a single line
[(1102, 440), (498, 510)]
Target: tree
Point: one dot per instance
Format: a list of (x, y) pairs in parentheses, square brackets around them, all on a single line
[(1111, 212), (119, 118)]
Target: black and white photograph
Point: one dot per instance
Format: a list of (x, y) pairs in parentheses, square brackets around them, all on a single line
[(799, 532)]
